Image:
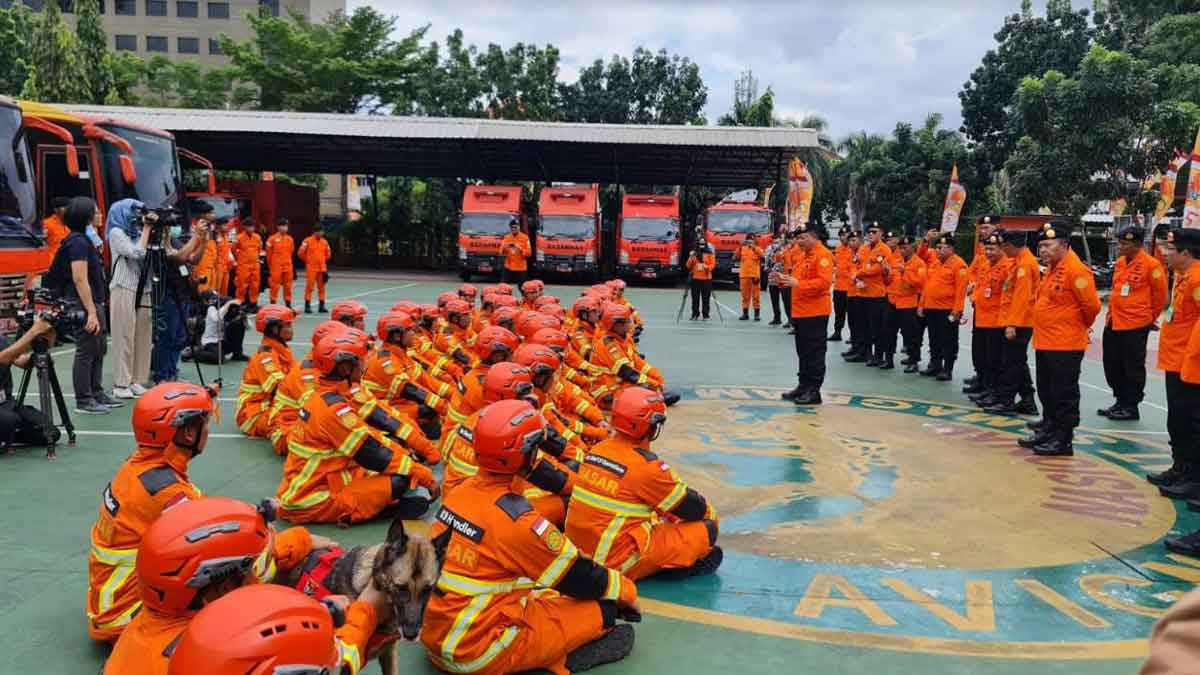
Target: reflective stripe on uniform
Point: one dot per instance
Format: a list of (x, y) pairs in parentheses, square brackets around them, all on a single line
[(121, 561), (287, 499), (460, 465), (503, 642), (613, 506), (613, 590), (559, 566), (248, 425), (349, 657), (456, 583), (672, 500), (604, 546)]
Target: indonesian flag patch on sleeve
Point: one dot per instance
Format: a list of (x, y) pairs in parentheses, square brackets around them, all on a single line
[(540, 526)]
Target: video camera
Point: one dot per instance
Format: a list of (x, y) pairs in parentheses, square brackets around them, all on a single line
[(65, 314), (167, 217)]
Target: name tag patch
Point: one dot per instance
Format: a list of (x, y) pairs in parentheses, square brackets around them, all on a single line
[(460, 525), (606, 464)]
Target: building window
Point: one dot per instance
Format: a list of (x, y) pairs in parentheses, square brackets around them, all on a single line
[(187, 9), (35, 5), (218, 10), (156, 7), (214, 46), (127, 43), (188, 45), (271, 6), (156, 44), (125, 7)]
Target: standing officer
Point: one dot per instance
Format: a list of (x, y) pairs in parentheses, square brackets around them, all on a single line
[(872, 283), (516, 249), (854, 303), (1016, 316), (1067, 303), (989, 291), (246, 251), (750, 256), (909, 274), (701, 262), (1177, 352), (280, 247), (811, 305), (315, 253), (843, 256), (942, 306), (977, 271), (1139, 294), (774, 260)]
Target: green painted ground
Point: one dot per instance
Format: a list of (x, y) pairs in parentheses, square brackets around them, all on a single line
[(50, 506)]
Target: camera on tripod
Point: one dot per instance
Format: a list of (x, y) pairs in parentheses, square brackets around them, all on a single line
[(65, 314), (166, 218)]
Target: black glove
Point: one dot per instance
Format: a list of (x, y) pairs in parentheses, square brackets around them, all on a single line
[(461, 356), (629, 614), (424, 412), (553, 442), (412, 392)]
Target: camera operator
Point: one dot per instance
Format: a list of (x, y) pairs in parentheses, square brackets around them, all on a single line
[(132, 328), (700, 263), (21, 425), (224, 331), (76, 273), (180, 294)]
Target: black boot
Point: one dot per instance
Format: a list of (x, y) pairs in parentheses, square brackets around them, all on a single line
[(834, 337), (757, 315), (1026, 406), (857, 357), (911, 367), (889, 362), (614, 646), (1057, 446), (307, 307), (875, 360), (975, 387), (810, 397), (793, 394), (745, 315), (1124, 414), (971, 381), (1105, 412), (947, 372), (1185, 545), (321, 308), (773, 322), (932, 369), (1039, 437), (1036, 425), (1001, 407), (1168, 477), (1187, 486)]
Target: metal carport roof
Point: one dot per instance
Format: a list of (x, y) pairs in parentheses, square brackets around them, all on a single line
[(475, 148)]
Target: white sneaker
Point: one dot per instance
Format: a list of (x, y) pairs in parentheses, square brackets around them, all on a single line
[(137, 389), (123, 393)]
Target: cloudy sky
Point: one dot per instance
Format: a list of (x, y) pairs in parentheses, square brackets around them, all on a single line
[(863, 64)]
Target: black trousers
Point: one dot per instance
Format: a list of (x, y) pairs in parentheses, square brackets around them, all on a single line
[(1058, 388), (943, 338), (787, 302), (701, 295), (978, 350), (990, 365), (21, 425), (891, 325), (513, 277), (1125, 364), (776, 294), (876, 311), (810, 351), (89, 361), (857, 319), (910, 330), (839, 311), (1183, 419), (1015, 378)]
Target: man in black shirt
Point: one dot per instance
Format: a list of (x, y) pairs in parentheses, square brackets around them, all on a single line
[(20, 424)]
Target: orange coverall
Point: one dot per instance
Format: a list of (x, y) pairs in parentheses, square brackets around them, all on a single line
[(262, 376), (437, 364), (609, 354), (390, 369), (285, 406), (323, 476), (515, 260), (514, 594), (632, 513), (246, 251), (749, 275), (56, 230), (145, 646), (280, 247), (315, 253), (148, 482)]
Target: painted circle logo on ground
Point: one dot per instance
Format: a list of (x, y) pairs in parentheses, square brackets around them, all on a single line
[(915, 526)]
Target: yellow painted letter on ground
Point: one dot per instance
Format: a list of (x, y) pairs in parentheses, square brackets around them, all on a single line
[(980, 614), (820, 595)]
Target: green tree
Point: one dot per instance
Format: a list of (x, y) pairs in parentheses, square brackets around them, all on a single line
[(452, 85), (95, 60), (652, 88), (1174, 39), (13, 49), (520, 83), (54, 65), (346, 64)]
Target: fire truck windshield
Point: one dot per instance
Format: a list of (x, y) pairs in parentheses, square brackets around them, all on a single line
[(17, 201), (567, 227), (158, 183), (739, 222), (649, 229), (487, 224), (223, 207)]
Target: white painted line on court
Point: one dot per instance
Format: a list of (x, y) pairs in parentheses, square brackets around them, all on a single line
[(380, 290), (80, 432), (1107, 390), (1127, 431)]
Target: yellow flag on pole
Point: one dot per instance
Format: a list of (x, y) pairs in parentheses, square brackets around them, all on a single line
[(800, 193), (956, 196), (1191, 209)]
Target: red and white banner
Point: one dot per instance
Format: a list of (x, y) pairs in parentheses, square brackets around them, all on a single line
[(956, 196)]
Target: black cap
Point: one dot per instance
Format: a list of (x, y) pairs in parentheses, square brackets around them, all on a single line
[(906, 240), (994, 239), (1137, 234), (1014, 237), (1185, 237), (891, 234), (853, 234), (874, 226), (947, 239), (59, 203), (1056, 230), (282, 221), (843, 230), (990, 219)]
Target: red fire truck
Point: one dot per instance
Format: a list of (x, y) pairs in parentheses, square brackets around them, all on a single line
[(486, 212), (568, 232), (648, 237)]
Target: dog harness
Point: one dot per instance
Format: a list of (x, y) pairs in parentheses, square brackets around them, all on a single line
[(316, 570)]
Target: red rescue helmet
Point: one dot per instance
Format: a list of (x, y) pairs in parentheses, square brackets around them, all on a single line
[(272, 315), (456, 308), (504, 289), (552, 338), (392, 323), (539, 359), (586, 303), (541, 321), (411, 308), (196, 544), (495, 339), (166, 407), (639, 413), (555, 311), (507, 380), (505, 315), (618, 285), (539, 283), (467, 291), (258, 630), (613, 314), (524, 321), (348, 346), (348, 310), (488, 300), (327, 328), (446, 297), (530, 287), (506, 301), (507, 434), (545, 300), (429, 314)]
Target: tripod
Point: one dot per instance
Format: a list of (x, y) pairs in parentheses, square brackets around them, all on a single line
[(683, 303), (41, 361)]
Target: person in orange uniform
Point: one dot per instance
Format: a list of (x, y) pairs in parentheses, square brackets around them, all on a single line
[(531, 292), (891, 315), (843, 257), (810, 282), (280, 248), (516, 251), (170, 426), (977, 271), (339, 469), (494, 345), (563, 406), (1178, 354), (872, 290), (630, 511), (908, 274), (988, 294), (1067, 303), (224, 256), (502, 382), (275, 629), (194, 554), (294, 388), (315, 253), (942, 306), (265, 370), (855, 318), (1139, 296), (514, 593), (749, 256), (1017, 299), (700, 264), (619, 364), (247, 251), (54, 228), (398, 380)]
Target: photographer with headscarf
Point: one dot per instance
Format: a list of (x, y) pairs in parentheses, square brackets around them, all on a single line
[(131, 325)]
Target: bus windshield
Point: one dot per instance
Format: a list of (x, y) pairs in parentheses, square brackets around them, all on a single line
[(649, 229), (17, 200), (739, 222), (493, 224), (158, 181), (567, 227)]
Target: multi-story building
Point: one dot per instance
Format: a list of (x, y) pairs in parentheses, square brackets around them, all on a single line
[(185, 29)]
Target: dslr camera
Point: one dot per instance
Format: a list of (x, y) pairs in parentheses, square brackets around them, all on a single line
[(167, 217), (65, 314)]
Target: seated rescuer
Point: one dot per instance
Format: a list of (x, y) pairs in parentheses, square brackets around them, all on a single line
[(21, 424), (266, 370), (193, 554), (170, 425), (629, 509), (224, 331), (515, 594), (254, 630), (323, 477)]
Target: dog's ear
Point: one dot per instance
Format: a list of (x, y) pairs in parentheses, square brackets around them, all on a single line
[(396, 533)]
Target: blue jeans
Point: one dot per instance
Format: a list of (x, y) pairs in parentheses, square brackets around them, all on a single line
[(169, 341)]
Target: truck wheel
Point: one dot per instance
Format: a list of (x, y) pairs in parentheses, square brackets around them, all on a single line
[(465, 275)]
